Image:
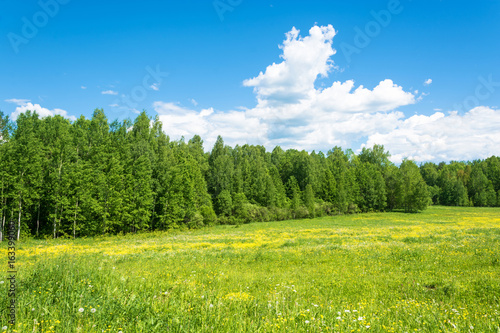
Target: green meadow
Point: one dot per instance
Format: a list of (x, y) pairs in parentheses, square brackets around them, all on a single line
[(436, 271)]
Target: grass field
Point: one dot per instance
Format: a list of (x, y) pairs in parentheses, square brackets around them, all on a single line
[(437, 271)]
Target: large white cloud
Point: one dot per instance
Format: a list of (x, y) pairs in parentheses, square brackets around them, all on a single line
[(304, 59), (293, 113)]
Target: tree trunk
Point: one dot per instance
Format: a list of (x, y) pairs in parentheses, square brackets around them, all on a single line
[(60, 216), (3, 226), (19, 219), (38, 220), (55, 221), (74, 221)]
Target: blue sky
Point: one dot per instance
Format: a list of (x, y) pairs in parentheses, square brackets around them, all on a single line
[(197, 65)]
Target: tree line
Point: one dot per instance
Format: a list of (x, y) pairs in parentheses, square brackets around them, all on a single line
[(92, 177)]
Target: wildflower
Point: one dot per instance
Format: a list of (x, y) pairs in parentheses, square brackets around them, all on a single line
[(1, 282), (367, 326), (338, 318), (307, 321), (93, 310), (81, 309), (347, 311), (360, 318), (5, 327), (211, 306)]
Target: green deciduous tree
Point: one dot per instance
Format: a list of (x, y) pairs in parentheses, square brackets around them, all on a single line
[(414, 195)]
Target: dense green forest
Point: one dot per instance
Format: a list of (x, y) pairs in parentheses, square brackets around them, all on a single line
[(90, 177)]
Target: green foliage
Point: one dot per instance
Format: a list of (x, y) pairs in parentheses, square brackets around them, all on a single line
[(224, 204), (414, 195), (91, 177)]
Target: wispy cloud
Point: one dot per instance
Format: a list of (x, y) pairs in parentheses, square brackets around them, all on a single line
[(17, 101), (109, 92), (427, 82)]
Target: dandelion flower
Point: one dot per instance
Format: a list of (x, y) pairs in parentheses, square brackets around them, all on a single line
[(81, 309), (93, 310), (5, 327)]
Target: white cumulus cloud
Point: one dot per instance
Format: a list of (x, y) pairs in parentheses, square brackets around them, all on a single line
[(42, 112), (427, 82), (441, 137), (291, 112)]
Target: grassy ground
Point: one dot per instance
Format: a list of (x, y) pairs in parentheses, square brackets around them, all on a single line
[(437, 271)]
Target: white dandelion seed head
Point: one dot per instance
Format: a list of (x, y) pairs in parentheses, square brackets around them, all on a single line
[(360, 318), (93, 310), (307, 321), (5, 327), (81, 309)]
